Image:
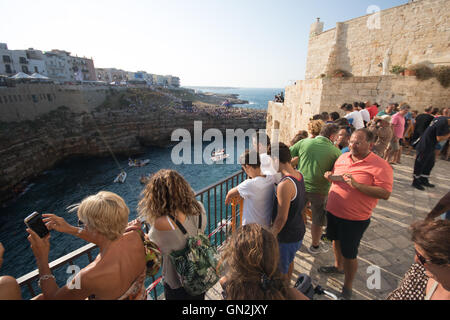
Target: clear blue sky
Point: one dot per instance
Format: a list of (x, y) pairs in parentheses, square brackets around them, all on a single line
[(243, 43)]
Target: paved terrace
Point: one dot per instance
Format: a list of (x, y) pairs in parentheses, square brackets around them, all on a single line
[(385, 244)]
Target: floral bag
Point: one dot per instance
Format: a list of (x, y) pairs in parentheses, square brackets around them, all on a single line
[(153, 256), (196, 263)]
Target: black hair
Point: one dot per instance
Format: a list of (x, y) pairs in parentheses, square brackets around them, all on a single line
[(280, 151), (335, 116), (250, 158)]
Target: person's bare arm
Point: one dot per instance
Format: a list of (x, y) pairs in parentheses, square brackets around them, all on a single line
[(285, 192), (443, 138), (232, 194), (371, 191), (50, 289), (294, 162), (442, 206)]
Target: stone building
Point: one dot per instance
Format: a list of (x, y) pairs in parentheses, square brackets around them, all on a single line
[(27, 61), (366, 49)]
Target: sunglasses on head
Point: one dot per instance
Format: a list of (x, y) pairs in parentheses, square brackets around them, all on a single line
[(421, 258)]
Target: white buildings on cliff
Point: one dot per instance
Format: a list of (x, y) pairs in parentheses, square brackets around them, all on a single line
[(60, 65)]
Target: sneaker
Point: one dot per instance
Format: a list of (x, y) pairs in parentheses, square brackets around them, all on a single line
[(314, 250), (330, 270), (346, 294), (426, 183), (416, 184)]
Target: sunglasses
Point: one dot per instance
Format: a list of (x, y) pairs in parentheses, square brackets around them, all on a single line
[(80, 224), (421, 259)]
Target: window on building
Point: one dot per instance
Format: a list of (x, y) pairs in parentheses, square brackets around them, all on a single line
[(6, 59), (1, 101), (10, 99), (36, 69), (49, 97), (23, 60), (8, 68), (15, 98), (34, 98), (25, 69)]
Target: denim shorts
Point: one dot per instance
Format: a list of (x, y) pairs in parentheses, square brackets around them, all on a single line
[(287, 254)]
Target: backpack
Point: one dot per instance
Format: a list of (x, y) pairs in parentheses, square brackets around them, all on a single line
[(196, 263), (153, 256)]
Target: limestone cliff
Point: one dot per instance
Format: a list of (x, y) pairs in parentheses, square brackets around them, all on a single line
[(125, 123)]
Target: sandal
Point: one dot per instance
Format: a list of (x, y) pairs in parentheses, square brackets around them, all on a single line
[(329, 270)]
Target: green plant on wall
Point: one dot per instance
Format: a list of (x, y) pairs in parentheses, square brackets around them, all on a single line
[(397, 69)]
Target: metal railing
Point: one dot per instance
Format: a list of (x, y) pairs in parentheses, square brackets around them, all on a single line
[(220, 219)]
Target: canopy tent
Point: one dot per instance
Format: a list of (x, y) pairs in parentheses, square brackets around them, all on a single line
[(39, 76), (21, 75)]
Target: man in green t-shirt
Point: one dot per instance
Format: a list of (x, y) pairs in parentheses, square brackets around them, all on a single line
[(315, 157)]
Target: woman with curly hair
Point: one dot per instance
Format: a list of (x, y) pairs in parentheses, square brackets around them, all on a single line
[(250, 260), (314, 127), (166, 199)]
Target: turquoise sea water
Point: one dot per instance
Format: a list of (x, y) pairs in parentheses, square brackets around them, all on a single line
[(74, 179)]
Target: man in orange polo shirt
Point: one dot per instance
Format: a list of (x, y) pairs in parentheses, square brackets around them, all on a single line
[(359, 178)]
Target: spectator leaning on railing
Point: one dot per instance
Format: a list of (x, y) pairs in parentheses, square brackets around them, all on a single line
[(117, 273), (257, 191)]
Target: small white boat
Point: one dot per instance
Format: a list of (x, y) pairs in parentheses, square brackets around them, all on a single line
[(137, 162), (121, 177), (219, 155)]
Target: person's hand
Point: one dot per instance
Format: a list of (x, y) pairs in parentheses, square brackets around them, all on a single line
[(228, 199), (53, 222), (327, 175), (40, 246), (348, 178)]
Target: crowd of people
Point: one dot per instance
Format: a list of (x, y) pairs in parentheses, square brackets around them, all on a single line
[(338, 169)]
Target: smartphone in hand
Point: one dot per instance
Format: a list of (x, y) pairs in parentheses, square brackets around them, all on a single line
[(35, 223), (337, 178)]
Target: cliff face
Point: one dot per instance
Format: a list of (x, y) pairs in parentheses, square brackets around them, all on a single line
[(28, 148)]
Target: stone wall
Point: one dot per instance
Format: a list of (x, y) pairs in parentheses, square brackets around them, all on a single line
[(309, 97), (29, 101), (416, 32)]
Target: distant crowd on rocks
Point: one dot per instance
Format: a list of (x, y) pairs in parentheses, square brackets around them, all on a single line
[(334, 173)]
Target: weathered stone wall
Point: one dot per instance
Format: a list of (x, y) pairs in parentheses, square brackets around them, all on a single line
[(88, 125), (416, 32), (29, 101), (309, 97)]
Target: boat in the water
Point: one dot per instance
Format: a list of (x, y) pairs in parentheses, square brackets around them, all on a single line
[(137, 162), (121, 177), (219, 155)]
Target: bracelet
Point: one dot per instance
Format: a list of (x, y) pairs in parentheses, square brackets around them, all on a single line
[(45, 277)]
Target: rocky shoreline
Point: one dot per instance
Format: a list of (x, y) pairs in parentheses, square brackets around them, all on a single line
[(123, 124)]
